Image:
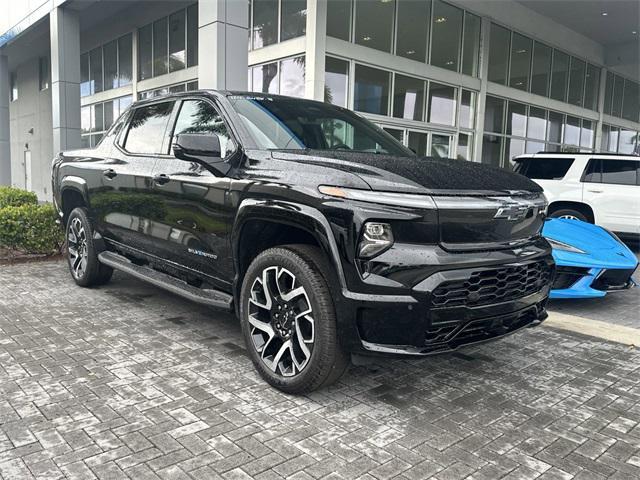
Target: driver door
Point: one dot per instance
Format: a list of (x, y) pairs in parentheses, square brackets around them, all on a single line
[(197, 218)]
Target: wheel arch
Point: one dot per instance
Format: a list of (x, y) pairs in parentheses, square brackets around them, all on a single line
[(582, 207), (73, 193)]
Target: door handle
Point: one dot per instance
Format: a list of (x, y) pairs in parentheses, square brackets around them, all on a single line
[(594, 191), (110, 173), (161, 179)]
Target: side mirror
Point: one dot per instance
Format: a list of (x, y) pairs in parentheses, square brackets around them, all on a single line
[(201, 148)]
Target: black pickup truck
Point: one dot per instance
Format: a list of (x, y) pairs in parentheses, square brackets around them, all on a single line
[(323, 233)]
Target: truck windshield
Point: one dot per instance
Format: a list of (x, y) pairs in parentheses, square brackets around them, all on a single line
[(281, 123)]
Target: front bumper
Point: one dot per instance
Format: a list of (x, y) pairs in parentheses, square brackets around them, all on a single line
[(591, 282)]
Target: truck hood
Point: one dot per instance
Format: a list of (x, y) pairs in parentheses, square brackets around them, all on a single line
[(425, 175)]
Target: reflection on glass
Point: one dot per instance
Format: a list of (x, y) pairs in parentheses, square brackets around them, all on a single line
[(614, 136), (98, 119), (336, 81), (177, 59), (374, 24), (442, 104), (147, 128), (160, 47), (471, 44), (446, 34), (339, 19), (516, 119), (265, 22), (541, 69), (500, 39), (608, 94), (491, 148), (145, 60), (494, 115), (408, 98), (560, 74), (418, 142), (95, 70), (534, 147), (395, 133), (604, 141), (576, 81), (192, 35), (556, 122), (592, 87), (197, 116), (520, 61), (572, 131), (109, 113), (294, 19), (627, 141), (85, 84), (631, 105), (265, 78), (513, 148), (467, 109), (537, 125), (411, 41), (85, 119), (371, 91), (124, 60), (618, 90), (586, 136), (292, 77), (440, 145), (110, 52), (463, 151)]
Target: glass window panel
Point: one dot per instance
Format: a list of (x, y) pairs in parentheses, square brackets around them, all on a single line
[(418, 142), (411, 41), (374, 24), (192, 35), (197, 116), (13, 86), (336, 81), (85, 141), (446, 34), (85, 83), (631, 101), (592, 87), (499, 45), (614, 136), (534, 147), (494, 115), (513, 148), (556, 122), (265, 78), (43, 72), (463, 151), (541, 70), (192, 86), (85, 119), (294, 19), (520, 61), (395, 133), (627, 141), (339, 19), (292, 77), (517, 119), (108, 114), (604, 141), (442, 104), (491, 148), (145, 59), (371, 90), (408, 98), (560, 75), (160, 47), (572, 131), (110, 51), (618, 91), (265, 22), (552, 147), (177, 88), (98, 119), (620, 172), (148, 127), (440, 145), (586, 136), (177, 58), (471, 44), (537, 125), (467, 109), (608, 94), (95, 70), (124, 60), (576, 81)]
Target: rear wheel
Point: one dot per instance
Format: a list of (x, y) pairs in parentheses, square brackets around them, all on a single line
[(569, 214), (82, 256), (288, 320)]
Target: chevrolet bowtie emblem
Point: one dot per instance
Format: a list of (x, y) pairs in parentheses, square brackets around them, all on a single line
[(512, 212)]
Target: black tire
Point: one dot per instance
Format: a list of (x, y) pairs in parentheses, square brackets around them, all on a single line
[(569, 213), (93, 273), (327, 361)]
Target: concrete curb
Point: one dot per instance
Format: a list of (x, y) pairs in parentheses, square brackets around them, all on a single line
[(594, 328)]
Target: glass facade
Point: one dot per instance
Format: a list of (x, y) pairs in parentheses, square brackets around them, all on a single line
[(622, 98), (96, 119), (106, 67), (284, 77), (274, 21)]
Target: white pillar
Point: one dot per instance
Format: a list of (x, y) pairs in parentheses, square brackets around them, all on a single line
[(65, 78), (482, 95), (5, 143), (602, 88), (316, 38), (223, 35)]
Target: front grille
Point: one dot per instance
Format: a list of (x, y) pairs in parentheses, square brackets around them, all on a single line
[(495, 285), (613, 278)]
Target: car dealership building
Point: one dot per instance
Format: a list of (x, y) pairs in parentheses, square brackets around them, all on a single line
[(482, 80)]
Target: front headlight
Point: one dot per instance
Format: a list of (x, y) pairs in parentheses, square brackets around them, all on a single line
[(563, 246), (376, 238), (385, 198)]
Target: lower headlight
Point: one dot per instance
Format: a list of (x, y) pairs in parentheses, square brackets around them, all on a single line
[(376, 238)]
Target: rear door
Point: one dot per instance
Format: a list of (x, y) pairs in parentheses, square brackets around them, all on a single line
[(611, 188)]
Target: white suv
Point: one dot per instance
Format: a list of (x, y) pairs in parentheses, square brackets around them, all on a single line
[(597, 188)]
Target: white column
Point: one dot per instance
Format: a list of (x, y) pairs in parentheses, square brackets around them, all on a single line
[(482, 95), (223, 34), (5, 143), (316, 49), (64, 28), (602, 88)]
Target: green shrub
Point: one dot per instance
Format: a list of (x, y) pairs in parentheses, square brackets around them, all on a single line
[(30, 229), (15, 197)]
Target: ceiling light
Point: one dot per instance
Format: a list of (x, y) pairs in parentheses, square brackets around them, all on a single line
[(441, 19), (604, 14), (410, 52), (522, 50), (366, 39), (450, 62), (634, 32)]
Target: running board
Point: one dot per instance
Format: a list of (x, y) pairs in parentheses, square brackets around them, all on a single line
[(211, 298)]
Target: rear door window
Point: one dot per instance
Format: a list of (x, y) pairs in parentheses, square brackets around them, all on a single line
[(148, 129), (619, 172), (544, 168)]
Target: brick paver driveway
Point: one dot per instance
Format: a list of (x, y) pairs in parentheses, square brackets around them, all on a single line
[(127, 380)]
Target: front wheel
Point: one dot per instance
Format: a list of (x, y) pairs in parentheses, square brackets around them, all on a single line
[(289, 321), (82, 256), (569, 214)]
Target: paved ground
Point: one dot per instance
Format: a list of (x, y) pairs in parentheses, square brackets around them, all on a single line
[(127, 381)]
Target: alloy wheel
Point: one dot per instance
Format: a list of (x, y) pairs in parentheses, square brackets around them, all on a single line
[(281, 321), (78, 249), (569, 217)]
